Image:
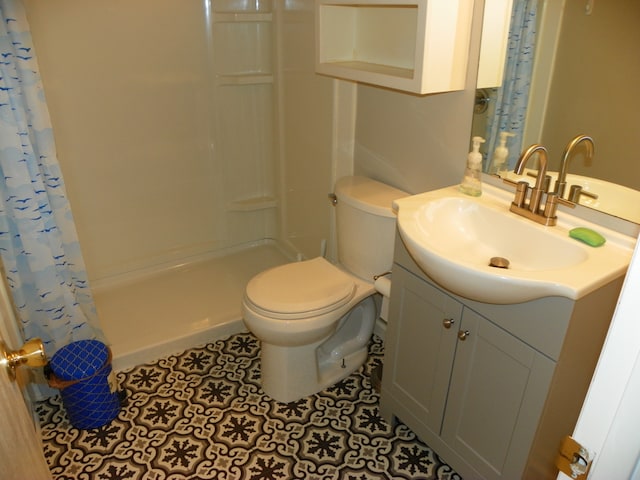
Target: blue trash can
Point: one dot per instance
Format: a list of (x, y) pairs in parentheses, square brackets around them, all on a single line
[(82, 372)]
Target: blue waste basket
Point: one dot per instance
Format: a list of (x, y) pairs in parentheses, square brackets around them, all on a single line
[(82, 372)]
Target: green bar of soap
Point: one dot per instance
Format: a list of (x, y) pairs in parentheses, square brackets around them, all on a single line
[(587, 236)]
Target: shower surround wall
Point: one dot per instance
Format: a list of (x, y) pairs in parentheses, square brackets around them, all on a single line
[(186, 129), (125, 130)]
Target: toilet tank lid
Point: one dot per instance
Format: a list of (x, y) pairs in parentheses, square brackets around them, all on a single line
[(368, 195)]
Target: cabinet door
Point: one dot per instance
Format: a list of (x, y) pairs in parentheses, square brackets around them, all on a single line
[(420, 348), (498, 388)]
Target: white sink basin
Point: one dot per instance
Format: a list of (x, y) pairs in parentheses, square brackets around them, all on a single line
[(453, 238)]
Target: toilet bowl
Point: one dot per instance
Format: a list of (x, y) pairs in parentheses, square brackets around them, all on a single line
[(314, 321), (315, 318)]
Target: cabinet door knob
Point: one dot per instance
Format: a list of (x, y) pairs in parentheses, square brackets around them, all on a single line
[(463, 334), (448, 322)]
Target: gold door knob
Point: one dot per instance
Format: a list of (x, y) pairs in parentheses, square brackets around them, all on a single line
[(448, 322), (463, 334), (30, 354)]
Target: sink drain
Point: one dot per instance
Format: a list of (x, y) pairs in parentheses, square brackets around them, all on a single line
[(499, 262)]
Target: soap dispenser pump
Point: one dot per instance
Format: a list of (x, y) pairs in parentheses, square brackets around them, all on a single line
[(472, 182), (500, 154)]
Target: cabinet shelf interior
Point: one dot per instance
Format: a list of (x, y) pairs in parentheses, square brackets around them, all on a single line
[(376, 35)]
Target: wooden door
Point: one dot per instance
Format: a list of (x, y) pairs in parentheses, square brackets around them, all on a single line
[(21, 455)]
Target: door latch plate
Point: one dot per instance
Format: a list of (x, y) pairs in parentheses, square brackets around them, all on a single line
[(574, 460)]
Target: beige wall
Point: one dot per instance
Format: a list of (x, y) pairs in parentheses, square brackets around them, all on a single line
[(306, 133), (417, 143), (594, 89), (413, 143)]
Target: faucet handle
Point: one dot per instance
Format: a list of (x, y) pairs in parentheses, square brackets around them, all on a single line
[(576, 191), (522, 187), (566, 203), (551, 204)]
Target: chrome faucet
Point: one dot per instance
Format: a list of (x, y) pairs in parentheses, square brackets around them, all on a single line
[(561, 182), (538, 188), (531, 210)]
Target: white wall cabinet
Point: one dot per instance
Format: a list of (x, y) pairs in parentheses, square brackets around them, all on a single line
[(419, 46), (491, 388)]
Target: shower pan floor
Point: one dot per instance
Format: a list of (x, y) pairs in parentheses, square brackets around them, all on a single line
[(181, 307)]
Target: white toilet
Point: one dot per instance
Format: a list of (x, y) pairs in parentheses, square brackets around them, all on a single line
[(313, 318)]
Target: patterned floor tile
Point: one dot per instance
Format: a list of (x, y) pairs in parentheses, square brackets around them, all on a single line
[(202, 415)]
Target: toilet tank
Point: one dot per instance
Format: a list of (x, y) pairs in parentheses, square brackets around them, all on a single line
[(365, 225)]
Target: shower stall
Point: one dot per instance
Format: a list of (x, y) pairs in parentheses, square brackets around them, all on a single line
[(198, 148)]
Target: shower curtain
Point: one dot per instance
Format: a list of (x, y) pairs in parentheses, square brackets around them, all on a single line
[(39, 248), (508, 107)]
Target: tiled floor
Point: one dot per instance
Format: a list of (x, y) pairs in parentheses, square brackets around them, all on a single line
[(203, 415)]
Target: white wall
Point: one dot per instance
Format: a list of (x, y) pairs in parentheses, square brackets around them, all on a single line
[(413, 143), (306, 101), (417, 143)]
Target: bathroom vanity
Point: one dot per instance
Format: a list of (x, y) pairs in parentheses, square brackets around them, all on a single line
[(491, 388)]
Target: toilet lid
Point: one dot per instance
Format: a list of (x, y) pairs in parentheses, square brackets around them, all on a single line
[(301, 287)]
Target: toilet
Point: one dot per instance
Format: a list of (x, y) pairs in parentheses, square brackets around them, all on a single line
[(314, 318)]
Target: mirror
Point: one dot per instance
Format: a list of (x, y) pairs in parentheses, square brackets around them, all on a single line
[(585, 71)]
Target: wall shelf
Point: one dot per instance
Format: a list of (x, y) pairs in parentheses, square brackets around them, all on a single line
[(373, 69), (419, 46)]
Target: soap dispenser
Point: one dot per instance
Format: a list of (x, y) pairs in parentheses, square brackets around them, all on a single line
[(472, 182), (500, 155)]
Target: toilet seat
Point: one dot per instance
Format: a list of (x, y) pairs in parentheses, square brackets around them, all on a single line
[(300, 290)]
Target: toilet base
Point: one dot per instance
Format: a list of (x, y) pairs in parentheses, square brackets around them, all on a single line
[(304, 379), (290, 373), (291, 385)]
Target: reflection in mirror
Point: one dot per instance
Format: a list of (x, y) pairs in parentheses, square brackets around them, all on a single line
[(583, 81)]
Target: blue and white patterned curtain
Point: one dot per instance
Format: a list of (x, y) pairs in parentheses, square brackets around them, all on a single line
[(508, 108), (39, 247)]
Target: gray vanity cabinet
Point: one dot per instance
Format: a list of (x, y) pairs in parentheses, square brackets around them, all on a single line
[(422, 348), (481, 384), (497, 392)]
